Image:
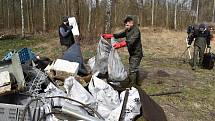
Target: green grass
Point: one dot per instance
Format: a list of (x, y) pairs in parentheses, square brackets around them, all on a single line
[(16, 44)]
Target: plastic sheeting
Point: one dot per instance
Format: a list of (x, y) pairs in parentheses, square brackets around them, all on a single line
[(73, 54), (101, 59), (116, 70)]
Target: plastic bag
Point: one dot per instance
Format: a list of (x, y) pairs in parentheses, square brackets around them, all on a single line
[(101, 60), (116, 70), (77, 92), (106, 97), (91, 62), (132, 109)]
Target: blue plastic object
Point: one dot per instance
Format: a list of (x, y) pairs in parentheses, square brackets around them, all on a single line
[(25, 55)]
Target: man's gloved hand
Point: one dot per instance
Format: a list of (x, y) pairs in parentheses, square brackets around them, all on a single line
[(209, 46), (119, 44), (107, 36), (188, 46), (70, 27)]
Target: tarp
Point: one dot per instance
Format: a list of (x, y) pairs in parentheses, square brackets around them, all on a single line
[(73, 54)]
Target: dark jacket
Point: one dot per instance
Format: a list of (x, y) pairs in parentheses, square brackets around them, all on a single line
[(133, 40), (66, 35), (197, 34)]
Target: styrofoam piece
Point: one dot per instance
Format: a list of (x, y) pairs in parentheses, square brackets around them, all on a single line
[(72, 22), (4, 78), (66, 66)]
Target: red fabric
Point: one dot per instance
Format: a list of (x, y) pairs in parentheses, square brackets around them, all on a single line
[(120, 44), (107, 36)]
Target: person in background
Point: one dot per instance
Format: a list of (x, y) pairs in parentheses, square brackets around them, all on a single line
[(65, 34), (133, 40), (202, 37)]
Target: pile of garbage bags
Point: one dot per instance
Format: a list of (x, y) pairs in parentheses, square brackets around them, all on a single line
[(46, 99)]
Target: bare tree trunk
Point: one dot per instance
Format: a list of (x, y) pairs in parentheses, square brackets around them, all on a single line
[(32, 15), (153, 9), (108, 16), (115, 12), (175, 15), (89, 18), (197, 12), (2, 11), (23, 21), (8, 14), (44, 15), (167, 14), (28, 15), (213, 12), (14, 17)]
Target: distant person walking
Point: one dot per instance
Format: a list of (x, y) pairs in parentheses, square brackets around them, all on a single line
[(133, 40), (202, 37), (65, 34)]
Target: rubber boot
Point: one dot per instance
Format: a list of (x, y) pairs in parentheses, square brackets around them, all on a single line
[(132, 79), (138, 80)]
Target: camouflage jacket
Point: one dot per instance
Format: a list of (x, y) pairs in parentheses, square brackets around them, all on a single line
[(133, 40)]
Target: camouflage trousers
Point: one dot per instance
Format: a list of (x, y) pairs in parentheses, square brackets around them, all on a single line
[(198, 55), (134, 63)]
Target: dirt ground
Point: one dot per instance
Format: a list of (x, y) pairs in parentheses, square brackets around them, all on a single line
[(162, 70)]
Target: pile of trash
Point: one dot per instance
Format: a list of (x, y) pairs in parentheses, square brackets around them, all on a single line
[(33, 88)]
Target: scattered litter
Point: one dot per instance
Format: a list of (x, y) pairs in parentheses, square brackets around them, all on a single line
[(89, 98)]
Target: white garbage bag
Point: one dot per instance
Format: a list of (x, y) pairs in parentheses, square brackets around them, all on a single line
[(77, 92), (51, 90), (116, 70), (101, 59), (91, 62), (106, 97), (132, 109)]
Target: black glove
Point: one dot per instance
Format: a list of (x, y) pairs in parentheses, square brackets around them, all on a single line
[(209, 46), (70, 27)]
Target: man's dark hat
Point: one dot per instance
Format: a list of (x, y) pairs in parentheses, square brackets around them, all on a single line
[(128, 19), (65, 18)]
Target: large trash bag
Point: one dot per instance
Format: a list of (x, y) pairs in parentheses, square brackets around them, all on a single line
[(73, 54), (116, 70), (151, 111), (131, 109), (106, 97), (101, 60)]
